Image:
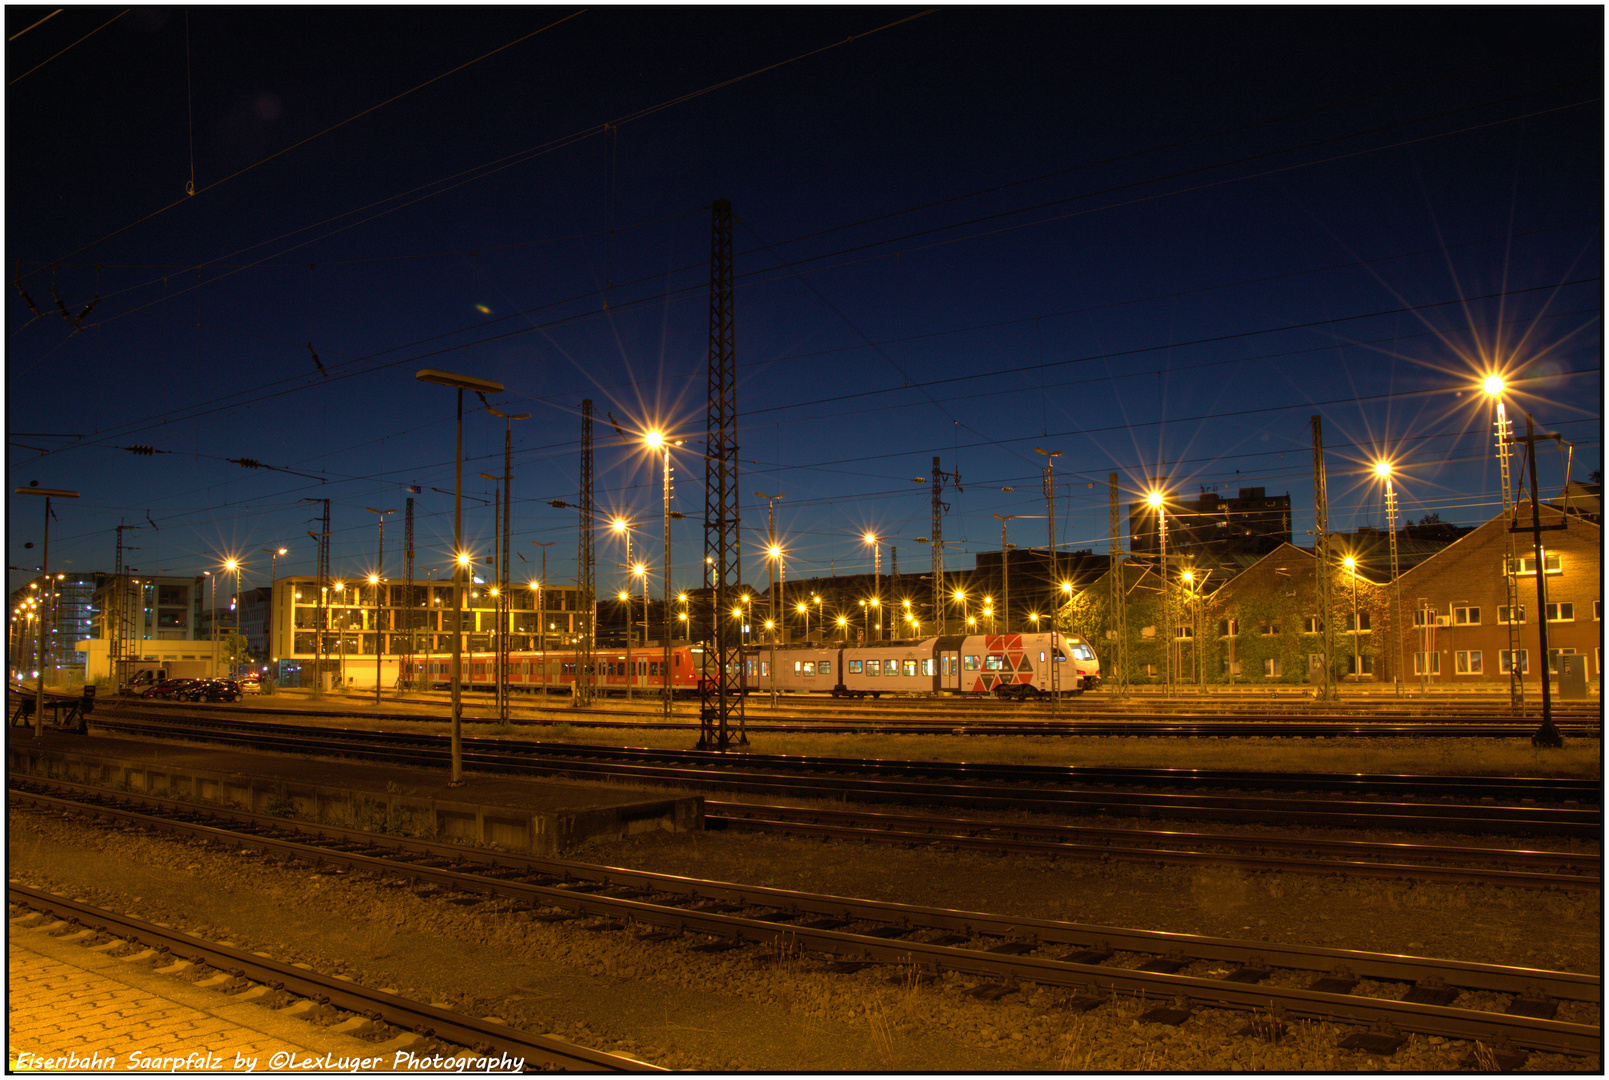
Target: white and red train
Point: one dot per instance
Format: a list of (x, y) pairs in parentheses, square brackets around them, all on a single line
[(1001, 665)]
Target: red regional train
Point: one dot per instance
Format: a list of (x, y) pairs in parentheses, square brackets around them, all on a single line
[(1003, 665), (555, 671)]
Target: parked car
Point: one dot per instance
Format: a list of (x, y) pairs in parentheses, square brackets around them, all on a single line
[(167, 688), (211, 690), (251, 684)]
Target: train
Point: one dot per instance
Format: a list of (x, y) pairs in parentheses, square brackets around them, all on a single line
[(1008, 666)]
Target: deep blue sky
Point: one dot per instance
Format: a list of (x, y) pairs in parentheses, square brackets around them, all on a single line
[(1158, 239)]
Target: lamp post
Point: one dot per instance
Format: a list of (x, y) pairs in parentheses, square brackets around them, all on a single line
[(1382, 469), (778, 619), (1493, 386), (375, 579), (843, 627), (877, 578), (212, 620), (657, 440), (772, 551), (44, 572), (505, 601), (1055, 573), (233, 566), (268, 623), (1158, 503), (542, 617), (1005, 573), (485, 386), (641, 570), (1351, 565), (804, 609), (622, 528)]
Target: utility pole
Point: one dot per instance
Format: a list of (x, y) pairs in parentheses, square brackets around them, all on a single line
[(940, 508), (407, 576), (1055, 573), (323, 539), (1548, 734), (1321, 553), (1005, 578), (586, 568), (117, 623), (1117, 661)]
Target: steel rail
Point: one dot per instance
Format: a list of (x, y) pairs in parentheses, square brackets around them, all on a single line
[(485, 1037), (795, 823), (1131, 724), (725, 775), (1555, 789), (825, 935)]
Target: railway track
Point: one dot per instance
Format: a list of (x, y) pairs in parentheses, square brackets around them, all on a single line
[(259, 978), (999, 719), (1512, 867), (1525, 1008), (1399, 802)]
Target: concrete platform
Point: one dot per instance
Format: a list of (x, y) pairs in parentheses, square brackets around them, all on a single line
[(544, 817)]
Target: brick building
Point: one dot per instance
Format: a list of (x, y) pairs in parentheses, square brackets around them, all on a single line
[(1457, 605)]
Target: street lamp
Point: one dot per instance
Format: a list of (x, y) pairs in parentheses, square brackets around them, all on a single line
[(484, 386), (1493, 386), (379, 569), (877, 577), (268, 623), (1352, 568), (657, 440), (843, 627), (622, 528), (641, 570), (542, 616), (773, 553), (1382, 469), (1050, 524), (44, 571), (232, 565), (1158, 503)]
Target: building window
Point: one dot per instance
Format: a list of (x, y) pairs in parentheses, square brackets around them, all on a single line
[(1358, 624), (1468, 663), (1228, 627), (1527, 564), (1553, 659), (1148, 670), (1505, 665), (1360, 665), (1270, 629), (1503, 612), (1271, 667), (1466, 616), (1427, 663), (1561, 612), (1184, 631), (1312, 625)]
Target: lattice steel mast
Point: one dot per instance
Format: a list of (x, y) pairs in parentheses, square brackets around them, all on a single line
[(1116, 666), (720, 690), (586, 569), (1321, 554)]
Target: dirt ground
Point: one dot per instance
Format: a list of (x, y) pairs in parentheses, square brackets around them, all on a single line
[(749, 1011)]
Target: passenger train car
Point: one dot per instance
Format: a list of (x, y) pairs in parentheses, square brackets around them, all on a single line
[(554, 672), (1004, 665)]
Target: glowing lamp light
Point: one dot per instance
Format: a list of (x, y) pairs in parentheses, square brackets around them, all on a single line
[(625, 595), (1493, 385), (1382, 469), (619, 524), (639, 570), (1350, 563), (1154, 498), (656, 439)]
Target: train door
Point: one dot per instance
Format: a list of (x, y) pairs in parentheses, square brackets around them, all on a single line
[(950, 669)]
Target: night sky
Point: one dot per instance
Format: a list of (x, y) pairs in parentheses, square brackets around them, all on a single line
[(1157, 239)]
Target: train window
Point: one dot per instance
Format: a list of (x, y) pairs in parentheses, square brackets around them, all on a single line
[(908, 668), (873, 667), (1082, 651), (927, 665), (890, 667), (824, 667), (807, 668), (854, 667), (969, 662), (765, 668)]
